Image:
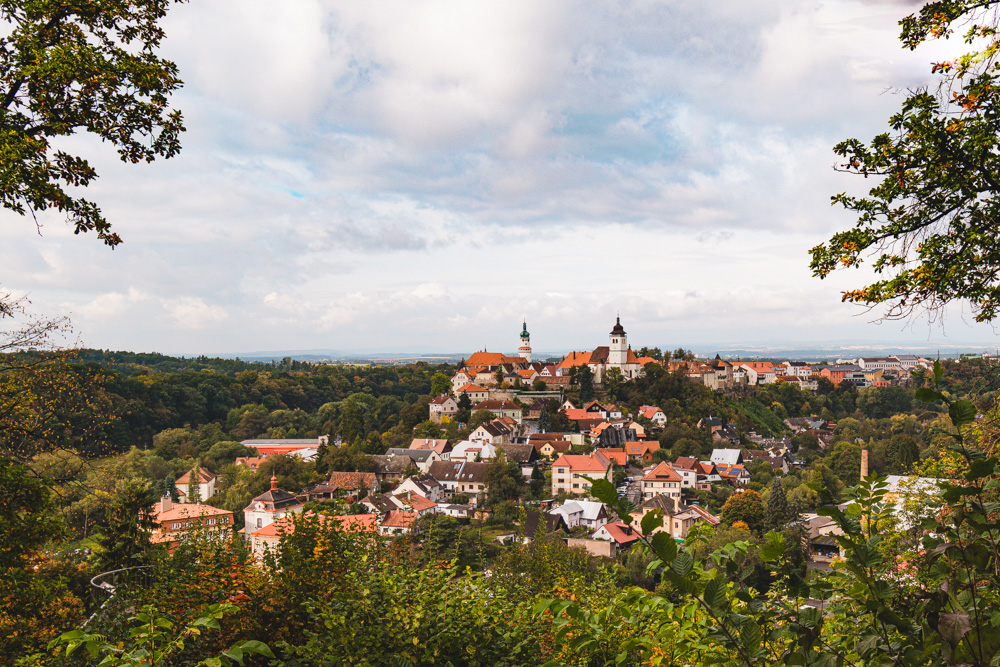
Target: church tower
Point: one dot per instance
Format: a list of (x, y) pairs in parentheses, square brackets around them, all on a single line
[(525, 350), (617, 346)]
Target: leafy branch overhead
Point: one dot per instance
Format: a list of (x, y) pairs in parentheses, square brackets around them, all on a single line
[(930, 223), (79, 65)]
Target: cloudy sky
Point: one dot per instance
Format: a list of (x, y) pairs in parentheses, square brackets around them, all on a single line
[(421, 175)]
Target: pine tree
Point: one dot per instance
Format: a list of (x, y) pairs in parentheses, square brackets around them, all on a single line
[(194, 484), (170, 488), (778, 511), (544, 421)]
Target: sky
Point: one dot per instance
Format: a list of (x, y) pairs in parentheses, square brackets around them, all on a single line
[(424, 175)]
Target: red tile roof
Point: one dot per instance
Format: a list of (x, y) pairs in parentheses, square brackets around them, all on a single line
[(662, 473), (582, 463)]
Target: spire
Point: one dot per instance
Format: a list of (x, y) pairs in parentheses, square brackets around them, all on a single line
[(274, 481), (524, 331)]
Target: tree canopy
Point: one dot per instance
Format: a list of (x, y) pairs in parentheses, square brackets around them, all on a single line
[(71, 65), (931, 221)]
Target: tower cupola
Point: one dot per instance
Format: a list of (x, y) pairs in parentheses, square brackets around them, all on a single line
[(525, 350)]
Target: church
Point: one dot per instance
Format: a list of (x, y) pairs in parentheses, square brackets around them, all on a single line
[(480, 369), (616, 354)]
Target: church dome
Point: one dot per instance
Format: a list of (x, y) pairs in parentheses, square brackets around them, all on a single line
[(618, 330), (524, 331)]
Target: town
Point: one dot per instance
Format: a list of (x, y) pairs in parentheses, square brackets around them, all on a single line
[(507, 406)]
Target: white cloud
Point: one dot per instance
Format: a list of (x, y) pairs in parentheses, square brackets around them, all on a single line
[(190, 312)]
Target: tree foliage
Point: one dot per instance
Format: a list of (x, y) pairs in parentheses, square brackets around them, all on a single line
[(80, 66), (930, 222)]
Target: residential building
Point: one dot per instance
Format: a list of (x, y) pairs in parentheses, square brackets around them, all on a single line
[(205, 485), (500, 409), (569, 472), (589, 514), (172, 521), (466, 478), (442, 408), (662, 480), (435, 445), (466, 450), (623, 536), (343, 484)]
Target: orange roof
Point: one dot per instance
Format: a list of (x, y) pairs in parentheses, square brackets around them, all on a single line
[(649, 413), (250, 461), (616, 456), (662, 473), (204, 475), (579, 413), (399, 519), (575, 359), (638, 448), (415, 501), (648, 360), (469, 388), (357, 523), (483, 359), (621, 533), (580, 463), (186, 511)]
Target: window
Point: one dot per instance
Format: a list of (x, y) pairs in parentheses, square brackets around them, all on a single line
[(260, 524)]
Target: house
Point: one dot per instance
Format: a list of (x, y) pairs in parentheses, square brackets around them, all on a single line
[(689, 476), (414, 502), (460, 379), (727, 456), (641, 451), (570, 470), (524, 455), (777, 463), (423, 485), (616, 455), (736, 475), (270, 506), (550, 449), (466, 478), (439, 446), (205, 484), (398, 522), (491, 433), (535, 410), (653, 414), (500, 409), (466, 450), (623, 536), (391, 468), (421, 459), (474, 392), (304, 448), (662, 481), (252, 462), (587, 513), (549, 524), (442, 408), (677, 520), (172, 521), (341, 484)]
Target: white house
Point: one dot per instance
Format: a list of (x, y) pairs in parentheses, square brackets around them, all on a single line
[(587, 513), (467, 450), (206, 485), (662, 481)]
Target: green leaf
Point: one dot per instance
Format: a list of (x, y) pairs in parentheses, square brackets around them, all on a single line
[(962, 412), (651, 521), (928, 395), (664, 546), (938, 372), (603, 490), (256, 647), (981, 468), (683, 563), (715, 592)]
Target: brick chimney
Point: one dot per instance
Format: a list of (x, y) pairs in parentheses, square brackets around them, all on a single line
[(165, 503), (864, 463)]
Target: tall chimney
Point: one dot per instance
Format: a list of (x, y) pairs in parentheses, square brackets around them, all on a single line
[(165, 503), (864, 463)]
